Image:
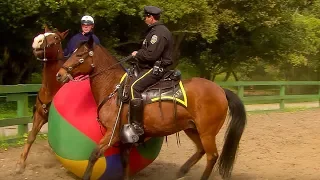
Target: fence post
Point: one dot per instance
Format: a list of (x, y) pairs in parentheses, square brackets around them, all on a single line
[(282, 94), (22, 109), (241, 92)]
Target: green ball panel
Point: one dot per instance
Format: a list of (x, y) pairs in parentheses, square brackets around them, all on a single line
[(152, 149), (67, 141)]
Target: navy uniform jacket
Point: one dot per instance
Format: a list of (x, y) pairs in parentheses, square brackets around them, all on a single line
[(75, 40), (157, 45)]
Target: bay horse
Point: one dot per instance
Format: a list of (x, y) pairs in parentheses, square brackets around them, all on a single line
[(200, 118), (47, 48)]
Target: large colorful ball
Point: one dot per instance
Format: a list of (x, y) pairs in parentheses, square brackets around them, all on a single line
[(73, 133)]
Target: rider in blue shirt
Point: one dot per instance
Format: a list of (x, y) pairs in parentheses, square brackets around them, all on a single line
[(87, 24)]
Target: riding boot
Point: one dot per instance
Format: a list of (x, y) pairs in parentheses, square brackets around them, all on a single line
[(136, 115)]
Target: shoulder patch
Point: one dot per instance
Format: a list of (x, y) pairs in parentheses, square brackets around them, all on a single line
[(154, 39)]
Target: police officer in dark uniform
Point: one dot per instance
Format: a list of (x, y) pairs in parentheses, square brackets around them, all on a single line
[(154, 57)]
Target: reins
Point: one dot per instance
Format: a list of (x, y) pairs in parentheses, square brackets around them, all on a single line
[(110, 67), (81, 60)]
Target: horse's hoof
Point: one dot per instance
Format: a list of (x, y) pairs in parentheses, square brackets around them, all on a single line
[(20, 168), (85, 177), (182, 178), (181, 175)]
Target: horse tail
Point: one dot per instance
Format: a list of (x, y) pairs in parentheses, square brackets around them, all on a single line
[(233, 133)]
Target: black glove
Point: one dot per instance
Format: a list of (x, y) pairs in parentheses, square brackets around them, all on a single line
[(133, 60)]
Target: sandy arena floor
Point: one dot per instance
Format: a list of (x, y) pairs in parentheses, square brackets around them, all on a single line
[(274, 146)]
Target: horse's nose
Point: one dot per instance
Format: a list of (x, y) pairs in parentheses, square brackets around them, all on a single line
[(58, 76)]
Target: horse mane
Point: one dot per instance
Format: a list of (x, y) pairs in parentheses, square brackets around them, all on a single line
[(81, 43), (105, 51), (111, 56)]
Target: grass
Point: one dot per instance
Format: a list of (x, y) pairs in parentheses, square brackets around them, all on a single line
[(289, 109), (9, 109), (277, 101), (11, 141), (16, 141)]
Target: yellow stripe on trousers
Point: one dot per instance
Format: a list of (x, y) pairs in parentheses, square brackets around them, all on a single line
[(137, 81)]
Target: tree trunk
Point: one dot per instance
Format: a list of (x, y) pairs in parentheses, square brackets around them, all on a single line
[(205, 74), (26, 77), (318, 73), (227, 76), (235, 76), (213, 76), (21, 73), (178, 38), (1, 76), (13, 77)]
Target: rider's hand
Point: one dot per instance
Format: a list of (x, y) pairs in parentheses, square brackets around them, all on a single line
[(134, 53)]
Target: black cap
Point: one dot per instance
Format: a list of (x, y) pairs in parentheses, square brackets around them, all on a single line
[(152, 10)]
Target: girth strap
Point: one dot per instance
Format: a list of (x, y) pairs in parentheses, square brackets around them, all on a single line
[(43, 105)]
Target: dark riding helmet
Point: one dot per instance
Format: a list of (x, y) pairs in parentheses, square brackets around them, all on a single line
[(87, 20)]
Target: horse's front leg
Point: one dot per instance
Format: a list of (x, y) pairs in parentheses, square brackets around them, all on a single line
[(38, 122), (96, 153), (125, 156)]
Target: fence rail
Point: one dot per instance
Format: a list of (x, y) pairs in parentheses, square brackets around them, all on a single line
[(282, 95), (21, 92)]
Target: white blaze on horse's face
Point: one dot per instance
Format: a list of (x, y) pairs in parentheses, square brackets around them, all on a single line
[(38, 40)]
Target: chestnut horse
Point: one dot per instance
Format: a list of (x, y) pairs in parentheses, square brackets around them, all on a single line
[(201, 119), (47, 48)]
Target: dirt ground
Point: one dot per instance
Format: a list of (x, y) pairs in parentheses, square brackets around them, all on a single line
[(274, 146)]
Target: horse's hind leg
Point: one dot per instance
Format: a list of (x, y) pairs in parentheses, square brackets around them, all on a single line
[(125, 157), (194, 136), (38, 122), (210, 147)]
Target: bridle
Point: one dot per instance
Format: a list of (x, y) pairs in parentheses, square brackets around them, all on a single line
[(80, 61), (51, 45), (55, 43), (83, 56)]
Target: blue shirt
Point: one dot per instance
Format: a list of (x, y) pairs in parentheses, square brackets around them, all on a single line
[(75, 40)]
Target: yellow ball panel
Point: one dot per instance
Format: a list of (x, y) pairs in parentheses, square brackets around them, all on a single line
[(78, 167)]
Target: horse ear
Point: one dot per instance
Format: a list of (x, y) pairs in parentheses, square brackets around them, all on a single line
[(46, 29), (90, 42), (64, 34)]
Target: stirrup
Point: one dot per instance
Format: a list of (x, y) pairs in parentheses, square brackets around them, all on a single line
[(130, 133), (139, 130)]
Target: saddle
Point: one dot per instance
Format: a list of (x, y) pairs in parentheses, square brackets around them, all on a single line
[(168, 88)]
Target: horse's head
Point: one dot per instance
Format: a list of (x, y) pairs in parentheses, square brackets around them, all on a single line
[(79, 63), (48, 46)]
